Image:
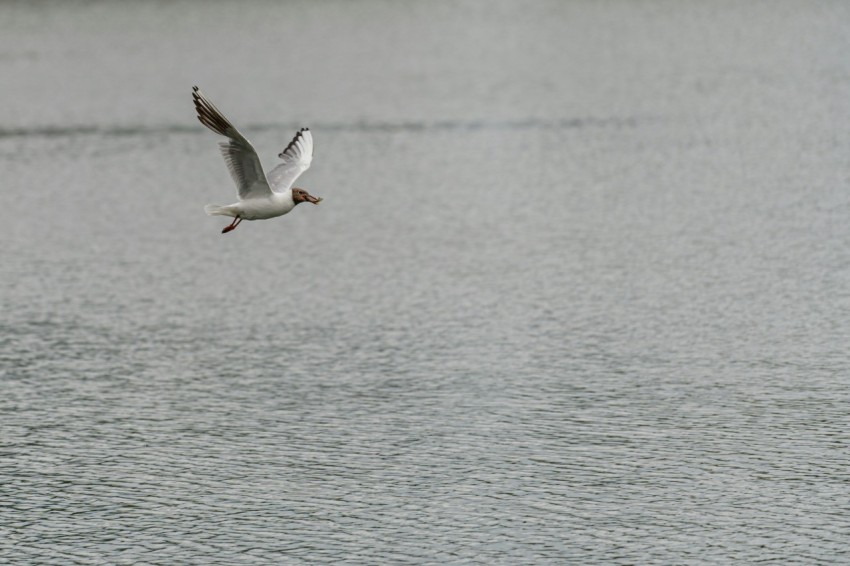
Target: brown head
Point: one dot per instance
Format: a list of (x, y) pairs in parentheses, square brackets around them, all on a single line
[(300, 195)]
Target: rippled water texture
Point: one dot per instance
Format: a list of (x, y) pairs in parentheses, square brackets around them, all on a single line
[(577, 292)]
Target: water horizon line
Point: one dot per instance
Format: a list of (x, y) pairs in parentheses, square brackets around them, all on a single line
[(359, 126)]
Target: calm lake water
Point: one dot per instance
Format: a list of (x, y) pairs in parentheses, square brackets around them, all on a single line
[(578, 292)]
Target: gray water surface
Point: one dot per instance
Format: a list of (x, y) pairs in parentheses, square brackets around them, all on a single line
[(578, 291)]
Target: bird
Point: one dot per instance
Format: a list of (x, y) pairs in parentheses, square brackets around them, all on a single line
[(261, 196)]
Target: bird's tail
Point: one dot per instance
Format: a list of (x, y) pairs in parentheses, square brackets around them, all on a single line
[(215, 210)]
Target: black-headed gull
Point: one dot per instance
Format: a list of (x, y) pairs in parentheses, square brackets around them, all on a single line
[(261, 196)]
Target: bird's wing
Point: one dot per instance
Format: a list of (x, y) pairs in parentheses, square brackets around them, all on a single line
[(241, 158), (296, 159)]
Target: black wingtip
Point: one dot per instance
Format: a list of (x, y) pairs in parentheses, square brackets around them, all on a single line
[(282, 154), (195, 89)]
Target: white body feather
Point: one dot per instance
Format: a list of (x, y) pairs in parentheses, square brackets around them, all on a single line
[(277, 204)]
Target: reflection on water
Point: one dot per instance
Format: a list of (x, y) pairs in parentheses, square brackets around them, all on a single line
[(576, 292)]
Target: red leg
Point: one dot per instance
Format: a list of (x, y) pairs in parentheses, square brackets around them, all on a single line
[(232, 225)]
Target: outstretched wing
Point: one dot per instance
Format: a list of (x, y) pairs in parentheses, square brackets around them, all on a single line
[(241, 158), (296, 159)]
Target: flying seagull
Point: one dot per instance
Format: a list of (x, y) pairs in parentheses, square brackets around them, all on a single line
[(261, 196)]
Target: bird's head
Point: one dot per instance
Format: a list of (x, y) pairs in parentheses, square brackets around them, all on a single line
[(300, 195)]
